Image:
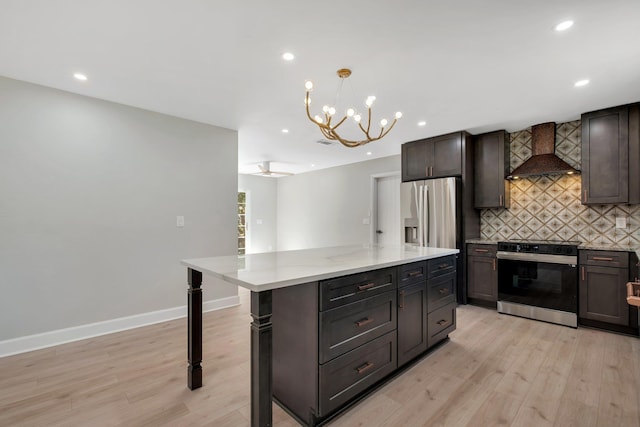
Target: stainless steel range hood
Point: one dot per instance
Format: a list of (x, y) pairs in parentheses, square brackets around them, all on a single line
[(543, 160)]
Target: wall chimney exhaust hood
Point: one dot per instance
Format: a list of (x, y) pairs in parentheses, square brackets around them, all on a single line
[(543, 160)]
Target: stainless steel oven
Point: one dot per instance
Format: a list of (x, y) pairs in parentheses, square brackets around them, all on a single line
[(539, 280)]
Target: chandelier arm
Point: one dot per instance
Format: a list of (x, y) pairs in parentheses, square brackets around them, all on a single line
[(382, 135), (368, 122), (339, 123)]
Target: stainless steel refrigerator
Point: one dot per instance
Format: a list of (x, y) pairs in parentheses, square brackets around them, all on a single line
[(430, 214)]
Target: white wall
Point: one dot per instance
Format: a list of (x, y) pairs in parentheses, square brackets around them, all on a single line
[(262, 193), (89, 193), (326, 207)]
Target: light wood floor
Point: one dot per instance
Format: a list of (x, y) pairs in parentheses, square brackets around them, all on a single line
[(495, 370)]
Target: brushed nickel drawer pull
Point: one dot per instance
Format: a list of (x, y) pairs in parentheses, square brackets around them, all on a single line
[(442, 322), (602, 258), (494, 264), (364, 367), (443, 266), (481, 250), (415, 273), (363, 322), (582, 271), (365, 287), (443, 291), (500, 200), (401, 299)]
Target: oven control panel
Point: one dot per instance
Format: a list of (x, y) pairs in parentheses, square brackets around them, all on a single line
[(539, 248)]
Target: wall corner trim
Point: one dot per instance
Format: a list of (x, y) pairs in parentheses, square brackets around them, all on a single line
[(76, 333)]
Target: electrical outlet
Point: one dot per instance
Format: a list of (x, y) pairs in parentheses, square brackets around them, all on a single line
[(179, 221), (621, 222), (366, 221)]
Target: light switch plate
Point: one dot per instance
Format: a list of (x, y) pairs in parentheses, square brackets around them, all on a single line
[(365, 221), (621, 222), (179, 221)]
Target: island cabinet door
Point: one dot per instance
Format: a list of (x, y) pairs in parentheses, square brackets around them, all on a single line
[(412, 321)]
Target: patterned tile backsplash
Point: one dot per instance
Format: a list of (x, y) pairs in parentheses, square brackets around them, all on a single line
[(549, 208)]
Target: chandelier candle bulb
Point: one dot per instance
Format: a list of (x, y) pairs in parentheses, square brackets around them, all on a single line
[(383, 122), (350, 112)]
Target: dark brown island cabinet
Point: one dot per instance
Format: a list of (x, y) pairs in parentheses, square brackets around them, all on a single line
[(482, 270), (603, 291), (611, 155), (336, 340), (437, 157), (491, 168)]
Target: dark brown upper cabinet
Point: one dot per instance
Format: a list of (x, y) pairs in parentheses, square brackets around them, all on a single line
[(436, 157), (491, 167), (611, 156)]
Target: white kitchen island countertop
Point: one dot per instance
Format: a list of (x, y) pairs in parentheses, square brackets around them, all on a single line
[(273, 270)]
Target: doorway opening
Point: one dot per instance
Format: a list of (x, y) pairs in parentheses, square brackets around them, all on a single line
[(385, 201)]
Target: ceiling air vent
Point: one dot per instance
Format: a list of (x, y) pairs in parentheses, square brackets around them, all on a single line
[(324, 142)]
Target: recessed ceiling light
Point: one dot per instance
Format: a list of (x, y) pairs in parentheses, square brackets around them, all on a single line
[(313, 165), (583, 82), (369, 153), (288, 56), (80, 76), (422, 123), (285, 130), (564, 25)]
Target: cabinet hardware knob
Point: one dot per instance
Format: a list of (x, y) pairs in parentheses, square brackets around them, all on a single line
[(364, 367), (365, 287), (442, 322), (363, 322), (401, 299), (443, 291), (602, 258)]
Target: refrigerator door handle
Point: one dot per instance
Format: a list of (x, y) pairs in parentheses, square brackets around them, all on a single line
[(417, 191), (426, 217)]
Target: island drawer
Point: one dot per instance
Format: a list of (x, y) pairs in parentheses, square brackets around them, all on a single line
[(412, 273), (440, 266), (605, 258), (345, 328), (440, 323), (347, 289), (350, 374), (441, 291)]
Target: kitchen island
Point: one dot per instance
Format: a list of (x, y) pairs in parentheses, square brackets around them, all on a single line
[(335, 282)]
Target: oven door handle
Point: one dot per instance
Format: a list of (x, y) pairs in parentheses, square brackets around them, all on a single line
[(549, 259)]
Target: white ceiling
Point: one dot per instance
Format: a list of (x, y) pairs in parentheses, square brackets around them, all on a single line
[(458, 64)]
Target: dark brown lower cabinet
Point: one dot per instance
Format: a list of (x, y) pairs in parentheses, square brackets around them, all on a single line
[(412, 321), (603, 291), (603, 294), (482, 274)]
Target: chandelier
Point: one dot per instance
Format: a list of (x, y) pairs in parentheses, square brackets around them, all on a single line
[(329, 123)]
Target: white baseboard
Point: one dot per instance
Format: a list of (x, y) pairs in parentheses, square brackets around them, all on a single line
[(76, 333)]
